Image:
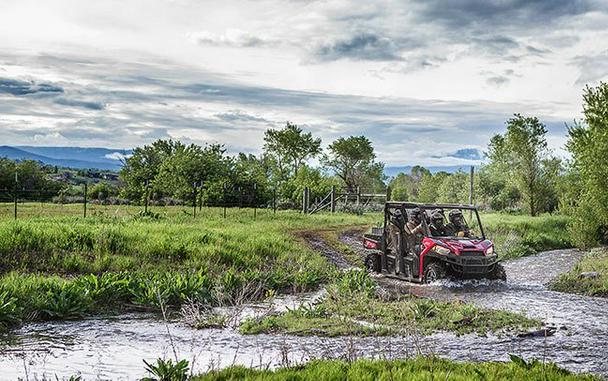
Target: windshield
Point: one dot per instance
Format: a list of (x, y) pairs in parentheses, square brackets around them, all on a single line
[(450, 222)]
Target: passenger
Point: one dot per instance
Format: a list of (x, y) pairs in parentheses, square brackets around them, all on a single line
[(414, 223), (397, 222), (437, 226), (457, 226)]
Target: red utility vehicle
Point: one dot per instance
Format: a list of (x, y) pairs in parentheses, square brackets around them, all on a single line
[(425, 257)]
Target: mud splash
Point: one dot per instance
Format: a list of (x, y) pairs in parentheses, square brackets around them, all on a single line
[(113, 348)]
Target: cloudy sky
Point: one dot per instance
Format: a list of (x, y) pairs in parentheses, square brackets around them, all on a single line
[(421, 78)]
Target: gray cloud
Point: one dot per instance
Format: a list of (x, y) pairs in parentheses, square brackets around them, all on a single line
[(495, 13), (19, 87), (361, 46), (78, 103), (592, 68)]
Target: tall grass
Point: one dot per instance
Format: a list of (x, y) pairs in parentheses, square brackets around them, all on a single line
[(421, 368)]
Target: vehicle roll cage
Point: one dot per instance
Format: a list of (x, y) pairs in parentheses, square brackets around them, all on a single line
[(424, 207)]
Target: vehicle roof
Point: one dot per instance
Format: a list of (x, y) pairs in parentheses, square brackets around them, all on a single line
[(406, 204)]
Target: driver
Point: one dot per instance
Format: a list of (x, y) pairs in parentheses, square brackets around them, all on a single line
[(437, 226), (457, 226)]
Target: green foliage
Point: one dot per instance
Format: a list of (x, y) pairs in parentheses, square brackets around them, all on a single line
[(166, 370), (352, 159), (520, 159), (588, 144), (415, 369), (291, 148), (67, 302), (10, 314), (102, 191), (355, 281), (594, 262), (31, 176)]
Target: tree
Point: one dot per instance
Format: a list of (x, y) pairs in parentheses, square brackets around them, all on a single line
[(588, 144), (521, 154), (143, 166), (352, 159), (291, 147), (399, 187)]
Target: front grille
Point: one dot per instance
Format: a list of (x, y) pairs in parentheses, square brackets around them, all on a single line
[(471, 253)]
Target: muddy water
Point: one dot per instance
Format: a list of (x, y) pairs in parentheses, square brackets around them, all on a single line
[(113, 348)]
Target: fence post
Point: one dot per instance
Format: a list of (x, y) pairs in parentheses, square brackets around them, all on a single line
[(305, 200), (15, 194), (224, 200), (255, 205), (471, 190), (274, 200), (358, 196), (388, 193), (332, 199), (194, 200), (85, 200), (146, 196)]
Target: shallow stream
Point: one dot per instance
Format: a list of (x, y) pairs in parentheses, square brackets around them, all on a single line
[(113, 348)]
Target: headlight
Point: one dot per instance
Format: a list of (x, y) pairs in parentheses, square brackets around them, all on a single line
[(490, 250), (442, 250)]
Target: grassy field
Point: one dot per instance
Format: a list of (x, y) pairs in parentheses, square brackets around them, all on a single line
[(411, 369), (351, 307), (66, 267), (54, 264), (589, 276)]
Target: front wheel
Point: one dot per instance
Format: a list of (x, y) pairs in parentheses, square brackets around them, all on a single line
[(372, 262), (498, 273), (433, 272)]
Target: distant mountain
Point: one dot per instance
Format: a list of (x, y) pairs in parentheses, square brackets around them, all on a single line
[(72, 157), (394, 171)]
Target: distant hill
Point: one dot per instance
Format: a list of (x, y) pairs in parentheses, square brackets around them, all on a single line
[(394, 171), (71, 157)]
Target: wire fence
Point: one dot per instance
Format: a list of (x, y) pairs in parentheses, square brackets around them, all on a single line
[(27, 203)]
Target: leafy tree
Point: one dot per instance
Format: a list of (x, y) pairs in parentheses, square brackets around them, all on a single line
[(290, 147), (31, 178), (428, 188), (522, 157), (399, 187), (352, 159), (189, 167), (143, 166), (102, 190), (588, 144), (454, 188)]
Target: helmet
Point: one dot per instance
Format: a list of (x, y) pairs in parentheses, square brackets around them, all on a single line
[(415, 215), (455, 216), (397, 217), (437, 217)]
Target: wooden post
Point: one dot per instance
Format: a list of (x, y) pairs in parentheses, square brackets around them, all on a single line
[(224, 200), (358, 196), (85, 200), (333, 199), (15, 194), (388, 193), (146, 195), (305, 200), (274, 201), (471, 180), (194, 200), (255, 206)]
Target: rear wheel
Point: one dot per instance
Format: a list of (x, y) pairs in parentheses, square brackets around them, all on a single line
[(498, 273), (433, 272), (372, 262)]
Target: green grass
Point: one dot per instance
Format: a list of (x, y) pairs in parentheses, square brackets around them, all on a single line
[(128, 262), (519, 235), (594, 261), (352, 308), (418, 369)]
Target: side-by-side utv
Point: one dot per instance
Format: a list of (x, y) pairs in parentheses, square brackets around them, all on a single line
[(425, 253)]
